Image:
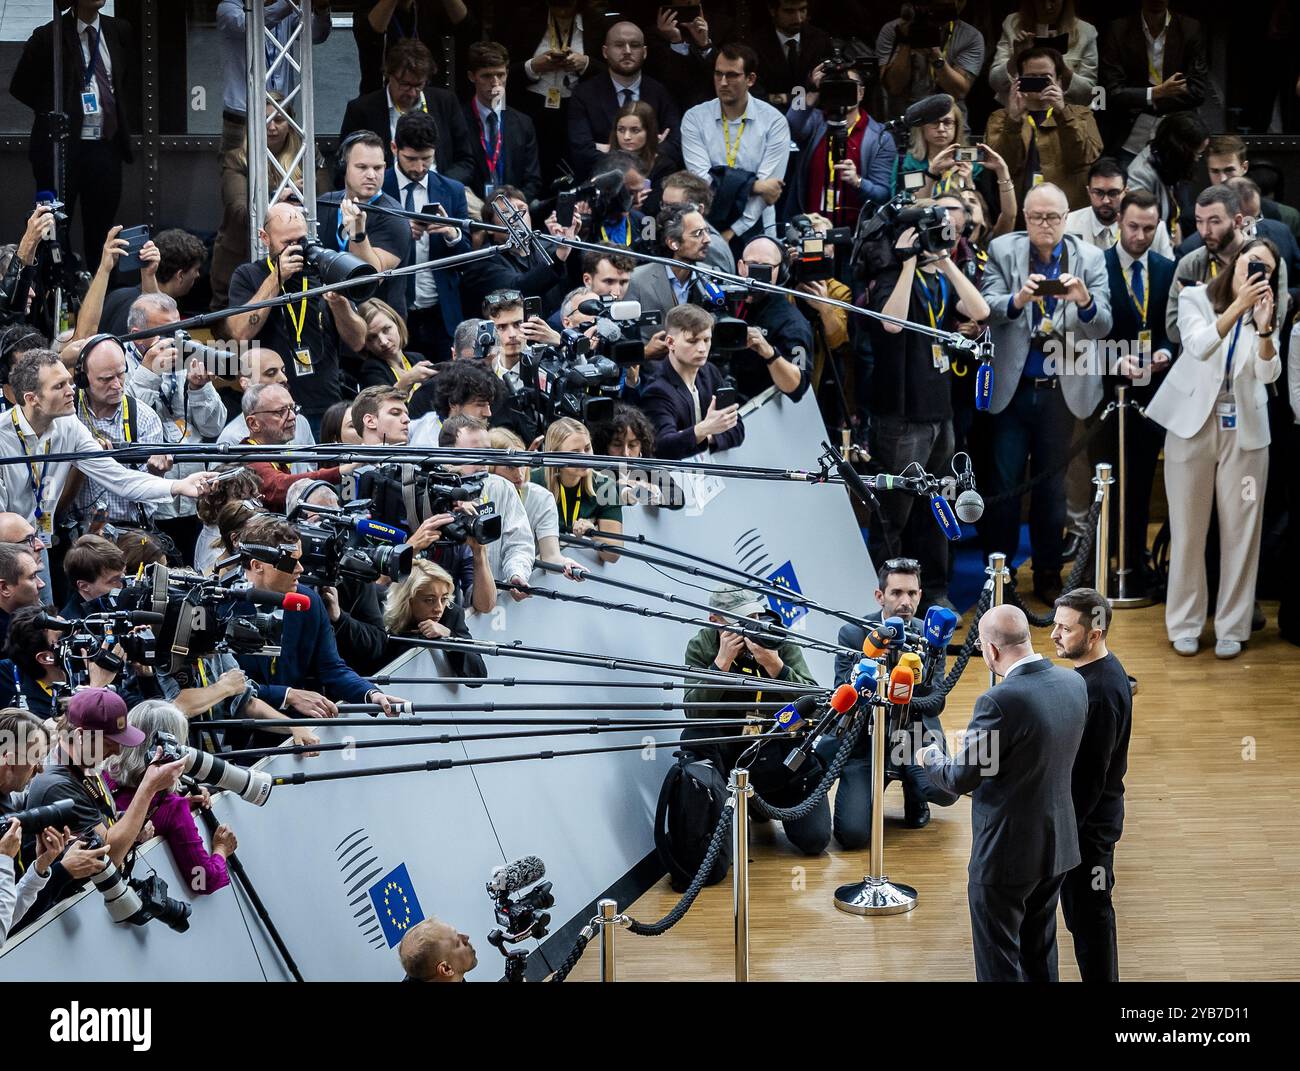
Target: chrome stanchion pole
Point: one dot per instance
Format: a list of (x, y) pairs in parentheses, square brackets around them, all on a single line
[(998, 572), (608, 920), (1102, 481), (876, 894), (741, 790), (1124, 597)]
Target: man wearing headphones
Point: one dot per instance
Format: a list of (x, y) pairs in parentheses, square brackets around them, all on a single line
[(381, 240), (911, 395), (780, 338)]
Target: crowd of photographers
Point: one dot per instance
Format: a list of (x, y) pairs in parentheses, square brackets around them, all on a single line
[(740, 138)]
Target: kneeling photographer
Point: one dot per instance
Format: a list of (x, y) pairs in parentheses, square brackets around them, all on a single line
[(765, 659), (422, 604), (94, 729)]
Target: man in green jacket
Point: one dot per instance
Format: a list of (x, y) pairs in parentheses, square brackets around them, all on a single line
[(729, 652)]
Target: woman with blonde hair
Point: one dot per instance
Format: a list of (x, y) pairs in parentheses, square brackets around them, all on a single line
[(539, 504), (387, 362), (421, 604), (589, 501)]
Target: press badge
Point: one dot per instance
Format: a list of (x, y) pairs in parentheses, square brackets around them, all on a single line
[(488, 188), (93, 122), (553, 97), (302, 360), (1227, 414), (939, 357), (1144, 342), (1038, 179)]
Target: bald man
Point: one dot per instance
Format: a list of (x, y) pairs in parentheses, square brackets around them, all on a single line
[(433, 951), (1017, 762), (780, 337), (257, 365)]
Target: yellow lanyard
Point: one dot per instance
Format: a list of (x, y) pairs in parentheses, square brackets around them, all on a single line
[(1034, 124), (422, 106), (830, 165), (1173, 218), (397, 376), (1214, 266), (1155, 75), (299, 321), (564, 505), (935, 319), (279, 466), (126, 420), (38, 476), (1146, 296), (553, 32), (627, 233), (731, 149)]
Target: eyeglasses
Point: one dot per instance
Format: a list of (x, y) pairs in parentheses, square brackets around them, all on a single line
[(699, 232), (950, 121), (903, 565), (500, 298), (278, 414), (413, 86), (1051, 219), (33, 541), (1109, 195)]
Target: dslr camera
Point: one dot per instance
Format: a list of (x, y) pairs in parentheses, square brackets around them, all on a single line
[(347, 542), (405, 496)]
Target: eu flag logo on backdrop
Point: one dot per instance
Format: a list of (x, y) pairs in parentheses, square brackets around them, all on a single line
[(790, 612), (396, 904)]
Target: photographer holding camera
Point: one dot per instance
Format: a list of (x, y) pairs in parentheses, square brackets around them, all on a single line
[(94, 729), (271, 552), (771, 660), (929, 50), (780, 339), (20, 282), (307, 333)]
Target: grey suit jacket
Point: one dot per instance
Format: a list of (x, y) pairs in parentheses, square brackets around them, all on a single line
[(1017, 761), (1004, 275), (650, 286)]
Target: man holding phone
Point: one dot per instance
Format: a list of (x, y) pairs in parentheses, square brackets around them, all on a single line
[(1048, 300), (433, 296), (1041, 137)]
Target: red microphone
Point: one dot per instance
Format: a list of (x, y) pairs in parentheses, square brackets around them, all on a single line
[(296, 602), (844, 699), (901, 682)]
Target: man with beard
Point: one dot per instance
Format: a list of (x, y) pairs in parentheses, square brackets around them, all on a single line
[(1082, 619), (1098, 223)]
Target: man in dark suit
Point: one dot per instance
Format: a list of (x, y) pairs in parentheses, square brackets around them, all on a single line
[(101, 94), (271, 551), (1139, 280), (503, 142), (595, 103), (788, 49), (681, 401), (433, 308), (1016, 761), (1133, 103), (407, 69)]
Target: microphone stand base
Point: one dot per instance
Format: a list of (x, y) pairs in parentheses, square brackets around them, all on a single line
[(875, 896)]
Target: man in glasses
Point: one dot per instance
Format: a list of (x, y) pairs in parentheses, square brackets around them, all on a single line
[(1098, 221), (684, 236), (898, 594), (271, 415), (1041, 137), (1048, 300)]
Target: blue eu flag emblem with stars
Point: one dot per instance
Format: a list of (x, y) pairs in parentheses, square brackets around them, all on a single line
[(396, 904), (789, 612)]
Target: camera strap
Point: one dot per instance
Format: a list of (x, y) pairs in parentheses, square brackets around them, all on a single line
[(414, 517)]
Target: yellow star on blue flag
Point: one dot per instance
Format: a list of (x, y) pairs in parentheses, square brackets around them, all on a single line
[(789, 612), (396, 904)]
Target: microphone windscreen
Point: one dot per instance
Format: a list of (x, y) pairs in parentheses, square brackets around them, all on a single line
[(610, 182), (296, 602), (983, 385), (946, 518), (970, 507), (806, 705), (928, 110), (844, 699), (901, 682)]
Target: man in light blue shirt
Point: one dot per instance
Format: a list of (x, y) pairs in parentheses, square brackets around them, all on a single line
[(737, 131)]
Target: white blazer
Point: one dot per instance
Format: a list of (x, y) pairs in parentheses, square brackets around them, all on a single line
[(1186, 398)]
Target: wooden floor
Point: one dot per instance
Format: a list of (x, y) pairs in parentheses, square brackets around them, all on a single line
[(1207, 873)]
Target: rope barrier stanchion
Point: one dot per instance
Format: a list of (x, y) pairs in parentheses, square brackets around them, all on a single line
[(876, 894), (997, 571), (1103, 481), (609, 920), (741, 790), (1124, 598)]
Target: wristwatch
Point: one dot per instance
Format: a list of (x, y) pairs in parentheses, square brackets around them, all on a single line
[(360, 236)]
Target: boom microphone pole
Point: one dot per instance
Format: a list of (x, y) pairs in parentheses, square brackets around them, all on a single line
[(404, 720), (510, 682)]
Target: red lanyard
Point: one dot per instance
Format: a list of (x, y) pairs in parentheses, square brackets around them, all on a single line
[(482, 136)]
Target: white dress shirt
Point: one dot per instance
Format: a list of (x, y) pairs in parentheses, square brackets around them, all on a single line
[(1145, 125), (1084, 223), (761, 145), (634, 87), (564, 81), (426, 289), (1033, 656)]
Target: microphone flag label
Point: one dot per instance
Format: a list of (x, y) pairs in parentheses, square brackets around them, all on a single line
[(396, 905), (789, 612)]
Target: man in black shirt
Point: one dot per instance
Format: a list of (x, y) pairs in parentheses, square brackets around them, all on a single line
[(306, 333), (381, 240), (1082, 619), (780, 338), (911, 395)]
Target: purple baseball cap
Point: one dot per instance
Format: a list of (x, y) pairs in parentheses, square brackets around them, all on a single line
[(103, 710)]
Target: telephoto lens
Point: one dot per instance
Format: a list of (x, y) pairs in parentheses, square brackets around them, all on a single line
[(56, 814), (253, 786), (137, 902)]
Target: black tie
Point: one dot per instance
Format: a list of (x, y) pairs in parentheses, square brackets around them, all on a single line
[(792, 57), (626, 94), (492, 141)]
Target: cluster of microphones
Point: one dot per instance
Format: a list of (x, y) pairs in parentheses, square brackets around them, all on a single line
[(886, 643)]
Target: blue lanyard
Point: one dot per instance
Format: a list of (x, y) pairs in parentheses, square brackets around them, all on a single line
[(88, 74), (19, 696), (1232, 347)]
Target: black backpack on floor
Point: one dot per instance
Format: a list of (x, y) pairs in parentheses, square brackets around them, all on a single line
[(691, 803)]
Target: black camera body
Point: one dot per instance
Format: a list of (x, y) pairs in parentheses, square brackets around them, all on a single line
[(405, 496), (569, 380), (323, 266), (875, 249), (812, 254), (135, 901), (348, 543)]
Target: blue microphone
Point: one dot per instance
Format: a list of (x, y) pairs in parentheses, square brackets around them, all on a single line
[(385, 533), (944, 515), (939, 625), (984, 385), (866, 677)]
